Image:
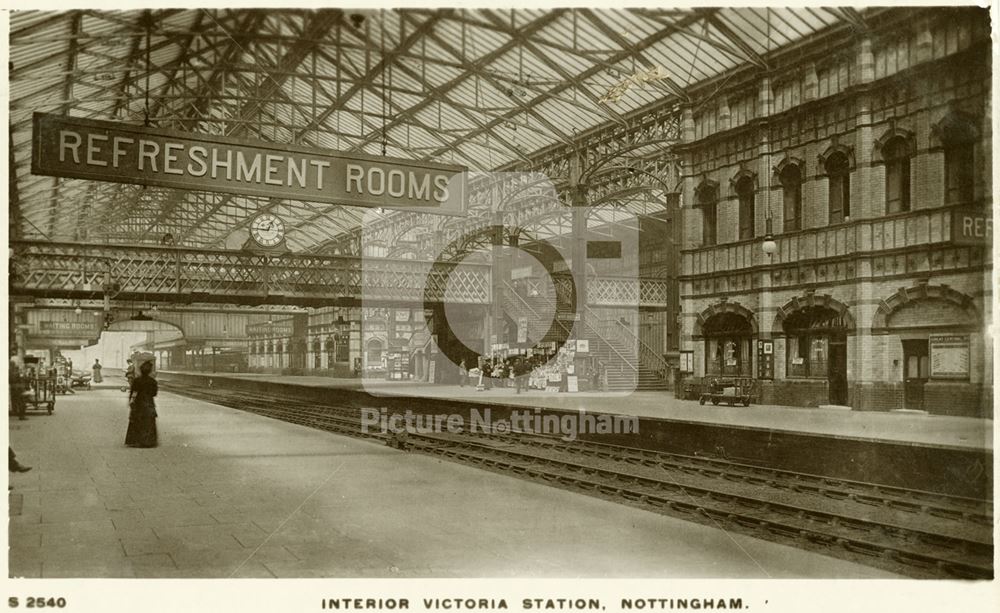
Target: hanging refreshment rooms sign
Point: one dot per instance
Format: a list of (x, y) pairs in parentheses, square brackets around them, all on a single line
[(111, 151)]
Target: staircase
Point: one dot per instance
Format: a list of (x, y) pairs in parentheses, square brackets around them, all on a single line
[(616, 346), (653, 370)]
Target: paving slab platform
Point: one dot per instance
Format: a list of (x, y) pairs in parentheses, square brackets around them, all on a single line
[(906, 427), (232, 494), (951, 455)]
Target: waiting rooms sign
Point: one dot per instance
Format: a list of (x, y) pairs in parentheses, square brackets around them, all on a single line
[(56, 328), (949, 356), (122, 153)]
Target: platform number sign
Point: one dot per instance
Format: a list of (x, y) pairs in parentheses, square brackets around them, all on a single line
[(765, 359)]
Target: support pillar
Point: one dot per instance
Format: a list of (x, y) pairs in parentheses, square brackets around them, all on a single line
[(578, 196), (579, 254), (498, 276)]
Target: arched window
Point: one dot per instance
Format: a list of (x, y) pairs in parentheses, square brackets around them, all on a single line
[(708, 196), (838, 170), (374, 353), (791, 187), (317, 353), (958, 134), (897, 175), (745, 194)]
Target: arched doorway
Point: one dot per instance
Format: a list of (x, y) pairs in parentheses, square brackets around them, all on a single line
[(728, 341), (936, 331), (117, 343), (816, 348), (331, 352), (373, 354)]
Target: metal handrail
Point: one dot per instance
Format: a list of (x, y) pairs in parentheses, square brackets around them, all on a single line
[(646, 349), (632, 340), (511, 290)]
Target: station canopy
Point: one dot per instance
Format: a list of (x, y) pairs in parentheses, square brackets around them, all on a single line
[(487, 89)]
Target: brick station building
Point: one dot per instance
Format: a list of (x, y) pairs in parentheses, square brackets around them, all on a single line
[(866, 152)]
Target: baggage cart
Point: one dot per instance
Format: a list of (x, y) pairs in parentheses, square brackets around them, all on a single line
[(730, 391), (41, 393)]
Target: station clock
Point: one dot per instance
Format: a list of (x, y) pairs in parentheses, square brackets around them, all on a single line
[(267, 230)]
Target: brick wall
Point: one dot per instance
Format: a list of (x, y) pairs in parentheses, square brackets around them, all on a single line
[(940, 398), (795, 392), (876, 396), (961, 399)]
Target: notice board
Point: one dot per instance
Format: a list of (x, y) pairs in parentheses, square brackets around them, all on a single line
[(949, 356)]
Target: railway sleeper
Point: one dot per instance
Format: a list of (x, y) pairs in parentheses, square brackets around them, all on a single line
[(863, 548), (783, 530), (632, 495), (949, 514), (963, 571)]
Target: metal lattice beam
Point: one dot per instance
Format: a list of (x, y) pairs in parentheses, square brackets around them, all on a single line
[(746, 50), (471, 69), (375, 71), (623, 55)]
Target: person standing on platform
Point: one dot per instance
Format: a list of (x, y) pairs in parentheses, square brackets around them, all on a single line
[(67, 373), (142, 409), (520, 371), (463, 372), (97, 371), (130, 373), (16, 385)]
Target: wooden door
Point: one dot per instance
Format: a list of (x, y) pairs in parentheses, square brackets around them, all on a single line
[(916, 370)]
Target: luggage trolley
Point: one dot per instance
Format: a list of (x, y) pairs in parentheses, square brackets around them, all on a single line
[(41, 393), (730, 391)]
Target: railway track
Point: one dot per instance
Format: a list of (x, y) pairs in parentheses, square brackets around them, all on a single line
[(911, 532)]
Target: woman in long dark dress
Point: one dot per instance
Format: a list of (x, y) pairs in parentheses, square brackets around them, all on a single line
[(142, 409)]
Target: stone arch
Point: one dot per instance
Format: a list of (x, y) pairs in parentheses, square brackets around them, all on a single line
[(786, 162), (824, 157), (721, 308), (740, 176), (923, 291), (813, 300), (908, 137), (706, 185)]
